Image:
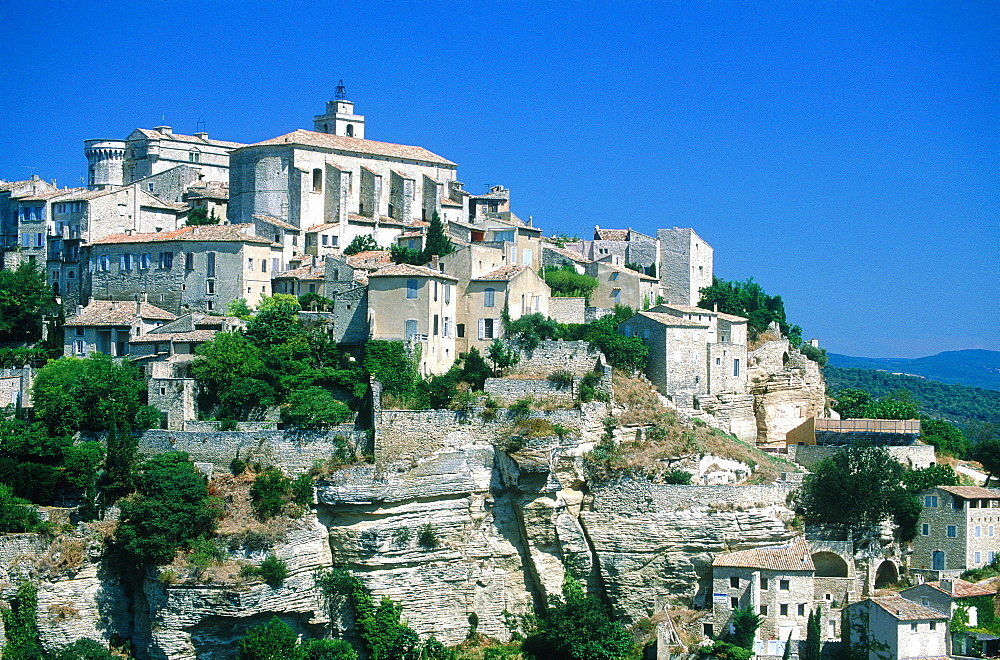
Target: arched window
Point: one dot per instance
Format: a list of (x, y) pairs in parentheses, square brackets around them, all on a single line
[(350, 130), (317, 180), (326, 128)]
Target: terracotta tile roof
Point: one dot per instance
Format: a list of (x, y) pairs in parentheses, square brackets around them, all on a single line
[(303, 273), (793, 556), (731, 318), (117, 312), (905, 610), (402, 175), (369, 259), (352, 145), (156, 135), (46, 195), (386, 220), (197, 233), (611, 234), (208, 189), (627, 271), (671, 320), (448, 201), (82, 194), (407, 270), (963, 589), (190, 336), (411, 234), (503, 273), (10, 185), (971, 492), (569, 254), (322, 227), (271, 220)]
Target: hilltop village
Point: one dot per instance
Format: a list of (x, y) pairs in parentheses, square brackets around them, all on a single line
[(666, 485)]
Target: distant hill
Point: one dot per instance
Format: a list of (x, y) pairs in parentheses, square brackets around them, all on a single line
[(974, 367), (956, 403)]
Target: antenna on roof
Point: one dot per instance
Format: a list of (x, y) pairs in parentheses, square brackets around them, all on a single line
[(199, 126), (341, 94)]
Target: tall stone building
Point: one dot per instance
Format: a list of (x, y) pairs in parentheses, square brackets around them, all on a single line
[(685, 265)]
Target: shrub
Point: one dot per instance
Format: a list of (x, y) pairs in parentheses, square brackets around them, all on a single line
[(401, 536), (561, 379), (315, 408), (270, 491), (273, 570), (16, 514), (565, 282), (588, 391), (237, 467), (521, 407), (302, 490), (256, 542), (427, 537), (229, 424), (274, 640), (502, 356), (678, 477)]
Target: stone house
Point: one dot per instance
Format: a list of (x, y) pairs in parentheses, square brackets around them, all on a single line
[(415, 304), (309, 178), (628, 245), (947, 596), (618, 285), (300, 281), (775, 581), (685, 265), (201, 268), (518, 288), (959, 529), (520, 242), (289, 237), (323, 240), (10, 192), (169, 185), (347, 285), (553, 255), (678, 353), (213, 196), (175, 342), (893, 627), (109, 326)]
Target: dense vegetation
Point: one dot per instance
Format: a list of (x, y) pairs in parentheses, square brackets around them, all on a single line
[(436, 243), (565, 282), (953, 402), (25, 299), (748, 299)]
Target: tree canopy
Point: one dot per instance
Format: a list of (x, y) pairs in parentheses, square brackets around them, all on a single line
[(361, 243), (747, 299), (565, 282), (25, 298)]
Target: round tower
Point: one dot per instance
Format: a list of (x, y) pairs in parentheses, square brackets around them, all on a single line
[(105, 160)]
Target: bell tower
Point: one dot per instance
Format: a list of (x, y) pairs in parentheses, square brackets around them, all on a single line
[(340, 118)]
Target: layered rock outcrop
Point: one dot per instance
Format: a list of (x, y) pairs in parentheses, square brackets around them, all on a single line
[(787, 388)]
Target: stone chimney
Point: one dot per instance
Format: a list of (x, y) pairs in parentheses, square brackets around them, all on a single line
[(948, 586), (202, 135), (165, 130), (434, 262)]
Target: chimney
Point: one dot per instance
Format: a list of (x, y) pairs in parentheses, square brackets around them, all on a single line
[(434, 262), (165, 130), (202, 135), (948, 586)]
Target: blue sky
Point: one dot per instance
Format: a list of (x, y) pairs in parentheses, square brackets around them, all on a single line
[(844, 154)]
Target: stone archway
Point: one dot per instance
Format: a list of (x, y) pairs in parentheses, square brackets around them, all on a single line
[(829, 564), (886, 574)]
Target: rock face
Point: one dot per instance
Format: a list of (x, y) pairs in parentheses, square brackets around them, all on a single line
[(787, 389)]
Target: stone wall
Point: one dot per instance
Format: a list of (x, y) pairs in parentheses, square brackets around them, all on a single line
[(15, 385), (293, 451), (577, 357), (913, 456), (635, 496), (173, 397), (591, 314), (568, 310), (509, 390)]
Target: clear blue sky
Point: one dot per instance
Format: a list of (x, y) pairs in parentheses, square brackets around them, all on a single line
[(844, 154)]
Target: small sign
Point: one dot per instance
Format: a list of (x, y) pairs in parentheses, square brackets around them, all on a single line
[(721, 599)]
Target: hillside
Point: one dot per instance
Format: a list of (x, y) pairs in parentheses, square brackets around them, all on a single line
[(972, 368), (957, 403)]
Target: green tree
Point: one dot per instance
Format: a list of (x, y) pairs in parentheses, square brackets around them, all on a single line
[(270, 491), (328, 649), (988, 453), (859, 486), (238, 307), (814, 638), (748, 299), (577, 627), (21, 625), (25, 300), (361, 243), (629, 353), (852, 403), (274, 640), (565, 282), (171, 509), (16, 514), (744, 622), (389, 363), (83, 649), (315, 408), (201, 216), (437, 241), (889, 408), (945, 436), (929, 477), (502, 356), (276, 322)]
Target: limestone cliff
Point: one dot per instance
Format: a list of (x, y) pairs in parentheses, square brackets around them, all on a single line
[(787, 389)]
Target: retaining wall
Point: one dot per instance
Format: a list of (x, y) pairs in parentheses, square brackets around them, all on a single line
[(634, 496)]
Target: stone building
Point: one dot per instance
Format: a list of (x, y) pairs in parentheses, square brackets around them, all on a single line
[(415, 304), (946, 597), (678, 353), (147, 152), (201, 268), (346, 282), (10, 192), (630, 246), (109, 326), (894, 628), (618, 285), (959, 529), (519, 289), (685, 265), (334, 176), (775, 581), (555, 256)]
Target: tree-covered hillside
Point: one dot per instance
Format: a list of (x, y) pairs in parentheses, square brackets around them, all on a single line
[(972, 367), (953, 402)]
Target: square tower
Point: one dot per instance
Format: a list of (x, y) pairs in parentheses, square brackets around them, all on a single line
[(340, 118), (685, 265)]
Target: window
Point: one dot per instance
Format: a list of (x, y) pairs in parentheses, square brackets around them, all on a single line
[(952, 532), (350, 130), (528, 256), (249, 263), (706, 629), (326, 239), (460, 329), (149, 187), (411, 289), (913, 627), (193, 157), (783, 609), (616, 294), (628, 331), (783, 585), (333, 241), (489, 297), (446, 330), (930, 501), (263, 265), (125, 262), (734, 602), (736, 367), (763, 583), (79, 346), (317, 180), (210, 287), (435, 291), (925, 529), (435, 325), (802, 609), (209, 264), (614, 277), (978, 558), (734, 582), (933, 625), (39, 239), (410, 328), (209, 305), (79, 331), (104, 263), (276, 266), (25, 240), (989, 530), (979, 532), (189, 261), (763, 610), (447, 301), (144, 261), (487, 329), (71, 274), (166, 260)]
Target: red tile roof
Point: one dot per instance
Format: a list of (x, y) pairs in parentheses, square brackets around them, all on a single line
[(352, 145), (370, 259), (793, 556), (572, 255), (189, 336), (971, 492), (407, 270), (271, 220), (905, 610), (231, 233), (963, 589), (448, 201), (322, 227), (503, 273), (611, 234), (117, 312), (156, 135)]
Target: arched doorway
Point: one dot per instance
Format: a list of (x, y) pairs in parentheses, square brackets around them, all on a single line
[(886, 575), (829, 564)]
